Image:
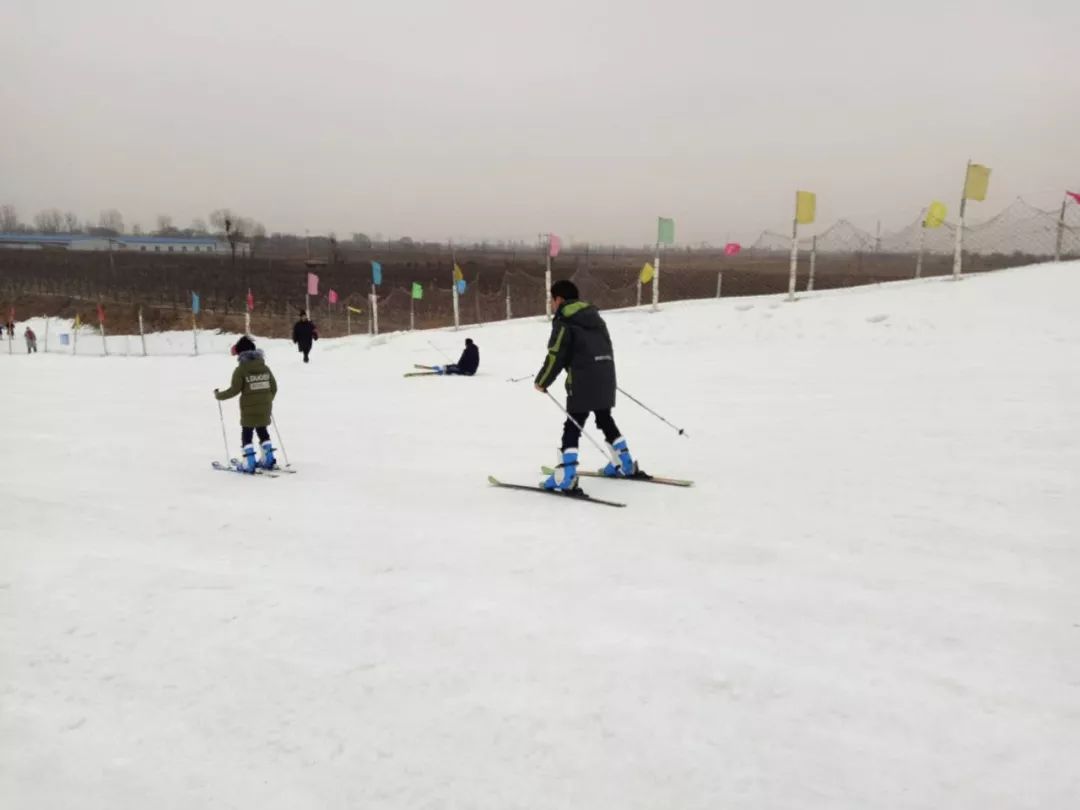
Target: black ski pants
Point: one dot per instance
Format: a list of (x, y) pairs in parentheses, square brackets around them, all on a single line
[(245, 434), (571, 433)]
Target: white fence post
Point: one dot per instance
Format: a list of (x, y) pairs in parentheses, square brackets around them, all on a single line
[(142, 334)]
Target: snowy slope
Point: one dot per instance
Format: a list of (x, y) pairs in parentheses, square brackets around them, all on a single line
[(868, 601)]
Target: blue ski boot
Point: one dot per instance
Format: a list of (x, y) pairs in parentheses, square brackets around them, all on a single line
[(247, 463), (565, 477), (627, 467), (268, 461)]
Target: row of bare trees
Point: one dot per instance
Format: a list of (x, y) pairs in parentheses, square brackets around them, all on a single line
[(110, 222)]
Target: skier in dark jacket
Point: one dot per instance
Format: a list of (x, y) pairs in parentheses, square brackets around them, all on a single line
[(467, 365), (255, 383), (304, 332), (580, 344)]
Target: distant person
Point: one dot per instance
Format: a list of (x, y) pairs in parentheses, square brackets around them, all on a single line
[(255, 384), (467, 365), (31, 340), (304, 333)]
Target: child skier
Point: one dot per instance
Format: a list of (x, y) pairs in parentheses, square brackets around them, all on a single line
[(580, 344), (255, 384)]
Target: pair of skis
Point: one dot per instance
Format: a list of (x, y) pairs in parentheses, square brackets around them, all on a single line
[(580, 495), (234, 466), (429, 371)]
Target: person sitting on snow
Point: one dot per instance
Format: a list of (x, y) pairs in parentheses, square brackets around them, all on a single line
[(467, 365)]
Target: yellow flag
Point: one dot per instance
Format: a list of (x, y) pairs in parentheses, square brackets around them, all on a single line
[(935, 215), (357, 310), (458, 275), (977, 181), (647, 273), (805, 207), (77, 321)]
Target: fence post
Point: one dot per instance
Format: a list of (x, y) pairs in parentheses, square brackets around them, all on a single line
[(813, 263), (142, 334), (794, 259), (1060, 230), (47, 319), (922, 245), (719, 282), (509, 312), (656, 280)]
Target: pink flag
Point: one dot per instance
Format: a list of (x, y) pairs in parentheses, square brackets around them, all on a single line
[(554, 245), (250, 301), (732, 249), (312, 284), (332, 297), (1074, 195)]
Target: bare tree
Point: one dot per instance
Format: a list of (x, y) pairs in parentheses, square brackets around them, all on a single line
[(71, 222), (9, 219), (111, 220), (49, 221), (220, 217), (136, 229), (164, 224), (198, 227)]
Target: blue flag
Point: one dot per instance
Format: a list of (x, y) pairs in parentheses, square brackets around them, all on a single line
[(194, 303), (376, 273), (461, 285)]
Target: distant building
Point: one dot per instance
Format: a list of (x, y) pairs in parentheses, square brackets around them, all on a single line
[(125, 244)]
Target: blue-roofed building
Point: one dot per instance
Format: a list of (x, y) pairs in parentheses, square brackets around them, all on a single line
[(205, 245)]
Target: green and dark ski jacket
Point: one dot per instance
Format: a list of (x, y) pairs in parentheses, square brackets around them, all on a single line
[(580, 344)]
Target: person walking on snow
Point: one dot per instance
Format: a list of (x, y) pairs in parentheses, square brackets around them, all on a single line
[(467, 365), (31, 340), (255, 384), (304, 333), (581, 345)]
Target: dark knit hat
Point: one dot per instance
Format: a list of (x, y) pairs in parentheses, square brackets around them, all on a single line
[(244, 344), (565, 289), (468, 341)]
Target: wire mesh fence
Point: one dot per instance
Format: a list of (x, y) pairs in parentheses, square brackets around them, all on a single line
[(501, 283)]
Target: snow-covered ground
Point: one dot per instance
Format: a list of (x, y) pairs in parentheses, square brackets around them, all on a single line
[(871, 599)]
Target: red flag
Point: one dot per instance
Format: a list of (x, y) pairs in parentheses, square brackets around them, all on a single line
[(332, 296), (554, 245), (100, 314), (250, 301), (312, 284), (1075, 195), (732, 249)]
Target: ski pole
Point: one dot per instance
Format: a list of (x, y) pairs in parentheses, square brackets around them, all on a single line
[(654, 413), (221, 416), (582, 430), (440, 351), (284, 452), (518, 379)]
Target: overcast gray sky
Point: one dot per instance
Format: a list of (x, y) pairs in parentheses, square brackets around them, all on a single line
[(494, 118)]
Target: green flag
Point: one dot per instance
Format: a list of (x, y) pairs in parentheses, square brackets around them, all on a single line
[(665, 231), (417, 291)]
